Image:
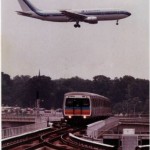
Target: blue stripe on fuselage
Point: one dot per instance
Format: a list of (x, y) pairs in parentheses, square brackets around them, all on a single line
[(92, 13), (83, 108), (105, 13)]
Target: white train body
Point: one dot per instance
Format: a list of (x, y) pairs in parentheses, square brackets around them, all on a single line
[(85, 105)]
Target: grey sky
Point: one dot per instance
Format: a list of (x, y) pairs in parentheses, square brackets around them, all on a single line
[(61, 51)]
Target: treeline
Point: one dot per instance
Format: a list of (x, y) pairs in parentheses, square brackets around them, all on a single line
[(128, 95)]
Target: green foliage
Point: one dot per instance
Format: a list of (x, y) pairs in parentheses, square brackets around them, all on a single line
[(128, 95), (6, 89)]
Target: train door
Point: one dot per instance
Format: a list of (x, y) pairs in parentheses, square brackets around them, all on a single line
[(81, 106), (77, 106), (85, 106)]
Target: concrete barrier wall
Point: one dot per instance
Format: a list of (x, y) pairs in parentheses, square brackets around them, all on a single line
[(14, 131), (94, 130)]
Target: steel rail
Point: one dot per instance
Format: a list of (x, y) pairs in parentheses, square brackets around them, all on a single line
[(143, 147), (49, 137), (23, 139), (73, 143), (43, 138), (40, 145), (91, 144)]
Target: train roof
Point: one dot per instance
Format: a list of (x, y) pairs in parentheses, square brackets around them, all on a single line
[(85, 94)]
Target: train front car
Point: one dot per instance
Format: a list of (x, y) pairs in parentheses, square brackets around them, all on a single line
[(84, 107), (77, 106)]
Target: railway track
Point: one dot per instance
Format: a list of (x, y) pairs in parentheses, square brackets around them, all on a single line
[(54, 139), (30, 139), (68, 141), (45, 138), (23, 139), (57, 138), (83, 144)]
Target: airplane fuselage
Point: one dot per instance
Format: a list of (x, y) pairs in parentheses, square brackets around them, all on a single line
[(88, 16), (57, 16)]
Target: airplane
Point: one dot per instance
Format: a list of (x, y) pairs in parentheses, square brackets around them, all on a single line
[(68, 15)]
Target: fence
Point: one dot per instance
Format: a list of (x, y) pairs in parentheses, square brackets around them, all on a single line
[(12, 118), (14, 131), (39, 123)]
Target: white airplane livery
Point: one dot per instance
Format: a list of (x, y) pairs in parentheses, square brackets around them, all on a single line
[(88, 16)]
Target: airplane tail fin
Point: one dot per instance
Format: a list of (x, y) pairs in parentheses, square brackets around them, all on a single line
[(27, 6)]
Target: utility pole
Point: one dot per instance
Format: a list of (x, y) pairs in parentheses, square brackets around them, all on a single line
[(38, 95), (38, 106), (37, 103)]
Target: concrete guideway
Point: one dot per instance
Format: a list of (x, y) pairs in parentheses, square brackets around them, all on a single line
[(95, 129), (91, 143), (98, 128), (124, 132)]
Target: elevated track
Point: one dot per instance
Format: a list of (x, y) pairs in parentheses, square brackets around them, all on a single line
[(63, 137)]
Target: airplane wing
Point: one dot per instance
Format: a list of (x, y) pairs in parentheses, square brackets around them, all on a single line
[(24, 13), (73, 15)]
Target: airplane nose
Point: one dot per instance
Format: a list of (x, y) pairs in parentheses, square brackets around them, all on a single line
[(129, 14), (126, 13)]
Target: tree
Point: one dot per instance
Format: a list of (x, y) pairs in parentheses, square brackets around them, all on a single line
[(42, 85), (24, 91), (102, 85), (6, 89), (19, 90)]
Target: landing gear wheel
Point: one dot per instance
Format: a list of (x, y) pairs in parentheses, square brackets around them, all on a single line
[(117, 23), (77, 25)]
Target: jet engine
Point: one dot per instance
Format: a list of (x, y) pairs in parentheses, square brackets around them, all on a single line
[(91, 20)]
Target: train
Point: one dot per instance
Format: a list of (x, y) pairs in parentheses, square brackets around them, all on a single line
[(78, 106)]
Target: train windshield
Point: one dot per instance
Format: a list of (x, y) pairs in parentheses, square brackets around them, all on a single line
[(77, 102)]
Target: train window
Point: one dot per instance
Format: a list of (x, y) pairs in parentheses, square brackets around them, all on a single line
[(69, 102), (106, 104), (94, 102), (102, 103), (99, 102), (77, 102), (85, 102)]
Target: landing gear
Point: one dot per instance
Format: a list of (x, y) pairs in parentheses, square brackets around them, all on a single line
[(117, 23), (77, 25)]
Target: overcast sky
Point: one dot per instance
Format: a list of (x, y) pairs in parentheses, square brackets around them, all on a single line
[(61, 51)]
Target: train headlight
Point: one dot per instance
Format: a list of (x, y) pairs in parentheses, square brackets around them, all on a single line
[(70, 117), (84, 117)]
